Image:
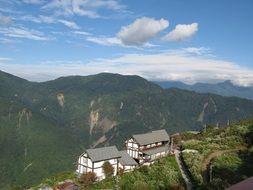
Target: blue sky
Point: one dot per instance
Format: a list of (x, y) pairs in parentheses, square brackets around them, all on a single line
[(186, 40)]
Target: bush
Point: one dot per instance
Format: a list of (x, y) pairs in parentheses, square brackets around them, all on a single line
[(164, 174), (108, 169), (144, 169), (87, 179), (121, 171)]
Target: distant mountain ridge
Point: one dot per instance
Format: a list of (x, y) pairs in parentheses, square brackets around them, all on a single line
[(226, 88), (45, 126)]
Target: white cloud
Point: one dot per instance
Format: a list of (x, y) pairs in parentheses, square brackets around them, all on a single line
[(137, 34), (48, 20), (109, 4), (82, 33), (3, 59), (113, 41), (5, 20), (197, 51), (141, 31), (69, 24), (77, 9), (182, 32), (170, 65), (38, 19), (6, 41), (35, 2), (22, 32), (105, 41), (87, 8)]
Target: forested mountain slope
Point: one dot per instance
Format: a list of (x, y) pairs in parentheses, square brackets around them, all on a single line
[(45, 126)]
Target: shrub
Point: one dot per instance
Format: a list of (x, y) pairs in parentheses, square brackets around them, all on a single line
[(121, 171), (87, 179), (140, 185), (108, 169), (144, 169)]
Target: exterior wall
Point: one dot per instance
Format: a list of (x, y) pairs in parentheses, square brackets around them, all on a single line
[(158, 155), (136, 151), (85, 165), (99, 170), (132, 148), (127, 168)]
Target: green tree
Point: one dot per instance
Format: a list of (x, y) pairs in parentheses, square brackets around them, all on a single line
[(108, 169)]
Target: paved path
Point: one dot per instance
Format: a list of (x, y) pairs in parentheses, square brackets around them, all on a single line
[(183, 170)]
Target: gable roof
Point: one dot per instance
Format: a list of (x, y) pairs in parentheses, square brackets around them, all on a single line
[(126, 160), (153, 137), (104, 153)]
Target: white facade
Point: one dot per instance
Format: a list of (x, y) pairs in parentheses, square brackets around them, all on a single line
[(127, 168), (132, 148), (138, 152), (140, 149), (86, 165)]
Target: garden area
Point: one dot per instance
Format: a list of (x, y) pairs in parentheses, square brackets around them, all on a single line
[(232, 168), (164, 174), (235, 142)]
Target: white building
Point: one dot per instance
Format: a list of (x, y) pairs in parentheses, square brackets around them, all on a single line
[(126, 162), (93, 159), (145, 148)]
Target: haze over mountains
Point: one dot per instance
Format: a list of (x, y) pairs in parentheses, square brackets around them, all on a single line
[(45, 126), (226, 88)]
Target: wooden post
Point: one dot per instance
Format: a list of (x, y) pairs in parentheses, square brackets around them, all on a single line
[(210, 172), (171, 144)]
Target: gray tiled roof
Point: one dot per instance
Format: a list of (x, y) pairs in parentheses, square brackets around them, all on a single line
[(153, 137), (104, 153), (126, 160), (156, 150)]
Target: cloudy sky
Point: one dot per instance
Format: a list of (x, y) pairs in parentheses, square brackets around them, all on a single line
[(186, 40)]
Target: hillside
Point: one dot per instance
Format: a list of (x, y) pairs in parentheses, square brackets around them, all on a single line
[(226, 88), (228, 150), (220, 157), (45, 126)]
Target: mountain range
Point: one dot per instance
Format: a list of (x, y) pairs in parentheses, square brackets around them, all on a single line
[(44, 127), (226, 88)]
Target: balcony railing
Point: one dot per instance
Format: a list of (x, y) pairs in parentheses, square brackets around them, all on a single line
[(151, 147)]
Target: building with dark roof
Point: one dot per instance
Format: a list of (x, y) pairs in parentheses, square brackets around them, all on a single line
[(152, 137), (93, 159), (140, 149), (147, 147), (104, 153), (126, 162)]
